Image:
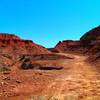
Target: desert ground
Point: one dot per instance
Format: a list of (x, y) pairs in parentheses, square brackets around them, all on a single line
[(78, 80)]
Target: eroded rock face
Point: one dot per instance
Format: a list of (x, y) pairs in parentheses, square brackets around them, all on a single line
[(88, 43), (91, 40), (32, 61), (93, 34), (6, 36), (42, 57), (12, 46), (37, 66), (10, 43), (67, 45)]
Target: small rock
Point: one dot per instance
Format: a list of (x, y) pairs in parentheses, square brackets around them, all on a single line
[(6, 78), (2, 83), (8, 72), (18, 81)]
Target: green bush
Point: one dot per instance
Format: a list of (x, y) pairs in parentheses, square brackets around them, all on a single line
[(24, 58)]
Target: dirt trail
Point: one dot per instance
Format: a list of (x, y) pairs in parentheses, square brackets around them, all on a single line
[(82, 81), (79, 80)]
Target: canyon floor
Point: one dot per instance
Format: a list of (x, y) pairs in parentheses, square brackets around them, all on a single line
[(78, 80)]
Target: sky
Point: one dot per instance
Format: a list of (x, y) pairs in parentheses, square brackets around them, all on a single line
[(47, 22)]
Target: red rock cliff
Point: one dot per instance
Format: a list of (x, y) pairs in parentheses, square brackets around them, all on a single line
[(66, 45), (6, 36), (10, 43)]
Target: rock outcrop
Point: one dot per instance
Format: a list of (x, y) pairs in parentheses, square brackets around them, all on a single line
[(91, 40), (67, 45), (93, 34), (6, 36), (88, 43), (12, 44)]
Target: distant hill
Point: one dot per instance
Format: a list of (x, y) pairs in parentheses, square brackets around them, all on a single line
[(88, 43), (12, 44)]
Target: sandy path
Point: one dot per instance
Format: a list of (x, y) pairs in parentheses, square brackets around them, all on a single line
[(81, 82)]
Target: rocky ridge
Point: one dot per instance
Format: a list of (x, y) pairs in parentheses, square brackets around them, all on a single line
[(10, 43)]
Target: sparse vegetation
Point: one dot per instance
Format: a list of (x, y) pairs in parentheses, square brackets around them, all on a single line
[(23, 58), (4, 69), (7, 56)]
